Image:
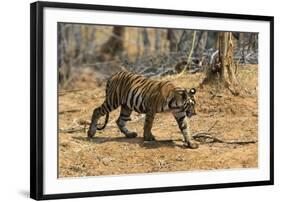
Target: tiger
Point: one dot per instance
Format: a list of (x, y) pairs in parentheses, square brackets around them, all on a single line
[(138, 93)]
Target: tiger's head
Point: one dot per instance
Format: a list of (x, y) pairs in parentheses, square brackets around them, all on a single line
[(185, 99)]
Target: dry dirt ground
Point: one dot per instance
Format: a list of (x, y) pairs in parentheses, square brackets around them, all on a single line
[(110, 153)]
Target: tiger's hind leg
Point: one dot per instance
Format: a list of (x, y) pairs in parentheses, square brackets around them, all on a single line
[(121, 122), (98, 112)]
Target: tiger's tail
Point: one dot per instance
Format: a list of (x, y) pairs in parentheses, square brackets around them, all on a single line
[(105, 122)]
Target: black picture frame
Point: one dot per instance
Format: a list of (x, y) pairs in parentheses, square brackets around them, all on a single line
[(36, 99)]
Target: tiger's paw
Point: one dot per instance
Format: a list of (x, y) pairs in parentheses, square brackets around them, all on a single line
[(131, 135), (191, 145), (149, 138), (91, 134), (90, 139)]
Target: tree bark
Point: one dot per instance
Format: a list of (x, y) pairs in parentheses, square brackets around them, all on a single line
[(171, 36), (224, 68), (200, 47), (189, 55), (252, 42), (90, 33), (184, 42), (114, 46), (242, 47), (146, 42), (64, 53), (157, 41), (226, 58)]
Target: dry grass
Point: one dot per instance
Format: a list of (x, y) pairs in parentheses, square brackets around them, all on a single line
[(111, 153)]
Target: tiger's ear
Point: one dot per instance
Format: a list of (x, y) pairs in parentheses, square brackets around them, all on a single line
[(192, 91)]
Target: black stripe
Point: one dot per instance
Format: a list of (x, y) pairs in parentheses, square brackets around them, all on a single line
[(134, 94), (137, 110), (180, 120), (142, 110), (125, 118), (102, 111), (162, 108), (163, 83), (170, 103), (148, 87), (184, 127), (144, 92), (137, 99), (105, 108), (115, 104)]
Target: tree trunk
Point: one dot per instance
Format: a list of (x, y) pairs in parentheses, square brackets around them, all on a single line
[(77, 41), (114, 46), (138, 44), (171, 36), (252, 42), (224, 68), (184, 43), (189, 57), (146, 42), (242, 47), (200, 47), (157, 41), (226, 58), (90, 33), (64, 53)]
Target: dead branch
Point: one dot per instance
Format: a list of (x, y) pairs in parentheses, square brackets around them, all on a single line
[(207, 137), (242, 142), (203, 137)]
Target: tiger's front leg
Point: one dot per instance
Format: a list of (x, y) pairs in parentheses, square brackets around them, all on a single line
[(182, 123), (147, 135), (121, 122)]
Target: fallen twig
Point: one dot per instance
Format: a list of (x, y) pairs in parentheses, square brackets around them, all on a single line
[(200, 135), (203, 136), (242, 142)]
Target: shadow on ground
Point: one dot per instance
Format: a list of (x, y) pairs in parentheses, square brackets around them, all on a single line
[(137, 140)]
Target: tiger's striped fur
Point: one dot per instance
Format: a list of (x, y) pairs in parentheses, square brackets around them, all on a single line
[(137, 93)]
